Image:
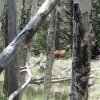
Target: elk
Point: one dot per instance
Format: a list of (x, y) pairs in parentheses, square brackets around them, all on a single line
[(61, 53), (57, 54)]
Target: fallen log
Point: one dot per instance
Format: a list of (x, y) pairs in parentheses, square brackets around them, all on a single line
[(25, 36), (54, 80)]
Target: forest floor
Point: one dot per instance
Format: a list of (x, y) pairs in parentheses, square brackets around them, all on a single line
[(61, 69)]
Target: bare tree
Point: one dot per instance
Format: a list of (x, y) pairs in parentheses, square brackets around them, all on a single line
[(50, 54), (81, 49)]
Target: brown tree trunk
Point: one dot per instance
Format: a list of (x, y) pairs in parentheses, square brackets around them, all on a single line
[(50, 54), (24, 19), (81, 50)]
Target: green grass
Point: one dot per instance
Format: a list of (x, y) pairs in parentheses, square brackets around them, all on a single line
[(94, 91), (61, 68)]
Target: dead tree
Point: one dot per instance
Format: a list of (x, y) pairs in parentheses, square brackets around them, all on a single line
[(24, 37), (81, 49)]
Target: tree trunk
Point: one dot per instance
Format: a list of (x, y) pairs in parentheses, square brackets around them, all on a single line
[(25, 13), (57, 33), (50, 54), (81, 49), (25, 17), (11, 72), (4, 24), (4, 30), (71, 20)]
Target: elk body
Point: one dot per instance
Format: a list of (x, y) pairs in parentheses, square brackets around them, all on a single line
[(61, 53), (57, 54)]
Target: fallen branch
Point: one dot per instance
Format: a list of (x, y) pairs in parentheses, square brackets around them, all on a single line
[(24, 37), (54, 80), (14, 94)]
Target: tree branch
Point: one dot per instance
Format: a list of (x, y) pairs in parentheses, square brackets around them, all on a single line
[(54, 80), (11, 97), (26, 34)]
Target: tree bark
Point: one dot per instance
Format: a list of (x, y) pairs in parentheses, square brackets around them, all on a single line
[(71, 20), (25, 13), (11, 72), (57, 33), (25, 17), (24, 37), (81, 49), (4, 30), (50, 54), (23, 53), (4, 24)]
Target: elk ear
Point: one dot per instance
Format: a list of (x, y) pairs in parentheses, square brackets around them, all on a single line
[(69, 46), (56, 52)]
